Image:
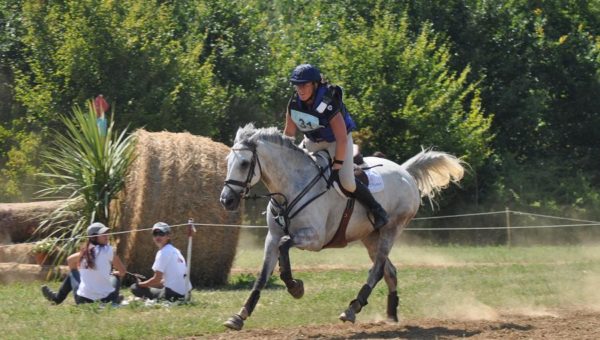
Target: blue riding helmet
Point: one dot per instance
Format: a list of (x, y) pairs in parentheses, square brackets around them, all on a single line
[(305, 73)]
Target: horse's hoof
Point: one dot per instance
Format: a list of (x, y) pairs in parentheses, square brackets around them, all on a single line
[(348, 315), (297, 290), (392, 318), (235, 322)]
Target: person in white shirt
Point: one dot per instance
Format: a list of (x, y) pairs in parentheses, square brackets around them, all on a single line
[(169, 280), (96, 261)]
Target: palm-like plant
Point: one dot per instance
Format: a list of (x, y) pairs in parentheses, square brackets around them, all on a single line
[(87, 167)]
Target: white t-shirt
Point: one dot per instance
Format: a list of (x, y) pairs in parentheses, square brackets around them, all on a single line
[(171, 263), (95, 283)]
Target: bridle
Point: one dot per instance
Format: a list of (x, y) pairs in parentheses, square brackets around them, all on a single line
[(281, 211), (246, 184)]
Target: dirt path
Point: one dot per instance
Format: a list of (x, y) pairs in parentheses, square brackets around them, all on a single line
[(580, 324), (329, 267)]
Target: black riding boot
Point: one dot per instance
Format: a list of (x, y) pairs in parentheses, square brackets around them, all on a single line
[(65, 288), (49, 294), (364, 196)]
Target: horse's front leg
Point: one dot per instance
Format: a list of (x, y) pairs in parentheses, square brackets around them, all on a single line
[(304, 238), (294, 286), (236, 321)]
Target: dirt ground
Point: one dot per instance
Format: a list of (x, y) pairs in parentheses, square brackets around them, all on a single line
[(565, 324)]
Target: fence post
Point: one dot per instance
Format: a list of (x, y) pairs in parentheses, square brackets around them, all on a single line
[(191, 231), (508, 240)]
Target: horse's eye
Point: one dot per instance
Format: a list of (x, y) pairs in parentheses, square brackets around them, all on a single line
[(244, 164)]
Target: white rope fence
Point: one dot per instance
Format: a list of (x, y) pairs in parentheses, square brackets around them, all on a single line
[(507, 212)]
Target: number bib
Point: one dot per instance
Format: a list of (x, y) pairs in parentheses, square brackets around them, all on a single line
[(304, 121)]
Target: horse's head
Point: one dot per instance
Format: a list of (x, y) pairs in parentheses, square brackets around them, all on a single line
[(243, 170)]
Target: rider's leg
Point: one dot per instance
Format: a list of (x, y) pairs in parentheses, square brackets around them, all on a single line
[(359, 190), (347, 171), (364, 196)]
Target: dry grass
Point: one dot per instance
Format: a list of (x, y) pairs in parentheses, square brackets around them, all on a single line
[(177, 176)]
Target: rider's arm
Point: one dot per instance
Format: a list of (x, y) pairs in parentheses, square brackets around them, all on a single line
[(290, 126), (341, 139)]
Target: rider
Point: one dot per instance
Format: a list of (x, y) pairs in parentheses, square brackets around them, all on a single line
[(318, 111)]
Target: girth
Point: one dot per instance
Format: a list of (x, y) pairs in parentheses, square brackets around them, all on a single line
[(339, 239)]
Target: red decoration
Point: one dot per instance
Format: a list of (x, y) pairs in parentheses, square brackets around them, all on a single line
[(100, 105)]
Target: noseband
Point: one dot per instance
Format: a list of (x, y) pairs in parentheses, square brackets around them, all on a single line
[(245, 185)]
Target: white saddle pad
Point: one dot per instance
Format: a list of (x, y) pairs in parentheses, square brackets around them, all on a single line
[(375, 180)]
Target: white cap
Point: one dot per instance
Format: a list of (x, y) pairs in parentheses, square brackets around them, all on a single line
[(162, 226), (96, 228)]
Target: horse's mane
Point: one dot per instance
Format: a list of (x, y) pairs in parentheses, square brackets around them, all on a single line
[(249, 135)]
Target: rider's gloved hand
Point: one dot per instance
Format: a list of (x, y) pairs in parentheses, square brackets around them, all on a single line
[(334, 176)]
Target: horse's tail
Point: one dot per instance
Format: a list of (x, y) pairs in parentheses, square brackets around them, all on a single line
[(434, 170)]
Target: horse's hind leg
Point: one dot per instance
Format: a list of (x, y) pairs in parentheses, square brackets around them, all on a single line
[(384, 242), (389, 275), (236, 321)]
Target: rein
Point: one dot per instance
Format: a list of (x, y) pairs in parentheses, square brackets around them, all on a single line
[(281, 211)]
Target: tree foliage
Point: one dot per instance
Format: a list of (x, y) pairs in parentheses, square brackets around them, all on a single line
[(511, 86)]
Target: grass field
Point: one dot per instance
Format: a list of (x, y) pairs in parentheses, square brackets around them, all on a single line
[(440, 282)]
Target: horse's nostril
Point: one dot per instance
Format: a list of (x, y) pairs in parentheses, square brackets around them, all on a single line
[(228, 202)]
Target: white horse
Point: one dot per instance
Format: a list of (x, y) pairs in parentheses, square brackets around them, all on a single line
[(303, 213)]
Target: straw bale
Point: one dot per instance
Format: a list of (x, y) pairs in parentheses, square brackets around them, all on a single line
[(19, 253), (19, 220), (177, 176), (11, 272)]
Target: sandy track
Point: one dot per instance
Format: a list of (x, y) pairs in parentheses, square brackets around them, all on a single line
[(566, 324)]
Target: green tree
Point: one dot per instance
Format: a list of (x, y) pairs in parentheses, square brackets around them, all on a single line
[(132, 52), (539, 64), (233, 34), (404, 94)]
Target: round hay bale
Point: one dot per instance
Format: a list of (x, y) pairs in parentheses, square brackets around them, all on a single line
[(19, 220), (19, 253), (177, 176)]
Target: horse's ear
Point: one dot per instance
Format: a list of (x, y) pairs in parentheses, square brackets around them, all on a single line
[(243, 133)]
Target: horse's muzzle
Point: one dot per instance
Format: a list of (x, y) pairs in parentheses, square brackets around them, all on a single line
[(229, 199)]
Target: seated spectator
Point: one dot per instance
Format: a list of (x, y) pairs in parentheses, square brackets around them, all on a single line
[(169, 281), (90, 276)]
